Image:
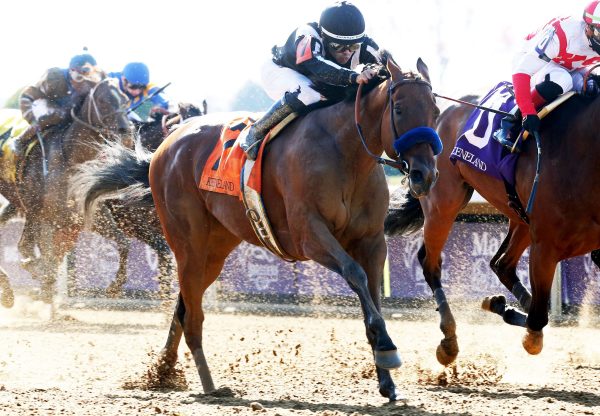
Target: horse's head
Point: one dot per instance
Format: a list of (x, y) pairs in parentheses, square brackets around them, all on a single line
[(104, 110), (407, 130)]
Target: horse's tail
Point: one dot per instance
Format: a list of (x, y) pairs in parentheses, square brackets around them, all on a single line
[(406, 219), (117, 173)]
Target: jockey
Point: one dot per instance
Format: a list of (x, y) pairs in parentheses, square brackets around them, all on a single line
[(49, 101), (551, 62), (315, 56), (134, 81)]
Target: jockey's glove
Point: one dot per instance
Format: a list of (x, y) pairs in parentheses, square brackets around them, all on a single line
[(531, 123), (53, 118)]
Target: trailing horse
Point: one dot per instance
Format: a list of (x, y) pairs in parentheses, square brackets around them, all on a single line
[(325, 194), (563, 222), (51, 221)]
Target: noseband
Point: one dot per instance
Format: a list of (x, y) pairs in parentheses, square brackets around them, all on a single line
[(408, 139)]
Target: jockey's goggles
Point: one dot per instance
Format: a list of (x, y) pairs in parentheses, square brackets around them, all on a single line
[(595, 32), (136, 86), (340, 47), (81, 73)]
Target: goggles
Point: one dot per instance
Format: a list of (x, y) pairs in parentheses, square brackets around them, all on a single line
[(83, 73), (595, 32), (339, 47), (136, 86)]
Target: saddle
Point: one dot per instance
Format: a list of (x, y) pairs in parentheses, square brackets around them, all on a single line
[(228, 171)]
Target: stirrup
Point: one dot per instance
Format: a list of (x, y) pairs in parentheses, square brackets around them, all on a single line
[(501, 137), (252, 150)]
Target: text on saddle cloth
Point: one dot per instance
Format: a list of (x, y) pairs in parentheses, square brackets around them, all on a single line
[(475, 145), (222, 170)]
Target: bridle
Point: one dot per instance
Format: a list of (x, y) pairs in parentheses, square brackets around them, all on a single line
[(92, 108), (402, 165)]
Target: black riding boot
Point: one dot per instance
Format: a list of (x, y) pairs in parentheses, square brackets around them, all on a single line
[(274, 115), (509, 128)]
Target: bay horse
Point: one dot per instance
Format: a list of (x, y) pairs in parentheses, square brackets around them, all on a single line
[(51, 220), (563, 223), (325, 194)]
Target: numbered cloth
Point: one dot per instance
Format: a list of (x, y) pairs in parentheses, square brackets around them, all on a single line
[(475, 145)]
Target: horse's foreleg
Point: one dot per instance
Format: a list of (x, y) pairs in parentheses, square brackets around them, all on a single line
[(106, 226), (504, 264), (542, 266), (323, 248), (371, 254), (430, 257), (8, 297)]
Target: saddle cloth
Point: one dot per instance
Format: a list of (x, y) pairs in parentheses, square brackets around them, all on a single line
[(12, 124), (221, 172), (475, 145)]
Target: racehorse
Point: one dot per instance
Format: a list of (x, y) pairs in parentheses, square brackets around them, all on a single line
[(563, 221), (51, 220), (151, 134), (324, 192)]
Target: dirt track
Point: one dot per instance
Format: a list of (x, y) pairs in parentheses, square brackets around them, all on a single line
[(80, 362)]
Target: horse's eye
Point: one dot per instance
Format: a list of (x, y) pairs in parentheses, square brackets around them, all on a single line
[(397, 111)]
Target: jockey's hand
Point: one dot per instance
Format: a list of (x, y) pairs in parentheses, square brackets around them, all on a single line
[(366, 75), (531, 123), (159, 110)]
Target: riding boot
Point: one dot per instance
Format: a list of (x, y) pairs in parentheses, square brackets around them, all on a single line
[(509, 128), (276, 114), (20, 143)]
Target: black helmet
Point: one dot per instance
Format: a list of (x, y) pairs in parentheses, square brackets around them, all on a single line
[(343, 23)]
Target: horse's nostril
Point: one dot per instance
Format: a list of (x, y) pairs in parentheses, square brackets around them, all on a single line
[(416, 176)]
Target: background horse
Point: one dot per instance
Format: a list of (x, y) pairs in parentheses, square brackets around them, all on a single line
[(560, 226), (51, 220), (325, 195), (135, 222)]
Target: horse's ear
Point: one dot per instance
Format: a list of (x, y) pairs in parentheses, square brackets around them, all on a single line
[(423, 70), (393, 68)]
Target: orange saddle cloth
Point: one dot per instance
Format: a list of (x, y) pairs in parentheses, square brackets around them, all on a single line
[(222, 171)]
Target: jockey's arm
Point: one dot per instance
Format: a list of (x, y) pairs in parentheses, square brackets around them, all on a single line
[(536, 54), (326, 71), (38, 102)]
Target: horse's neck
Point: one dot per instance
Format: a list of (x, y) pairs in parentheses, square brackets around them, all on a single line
[(372, 108)]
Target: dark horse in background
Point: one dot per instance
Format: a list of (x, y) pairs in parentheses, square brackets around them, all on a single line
[(51, 220), (135, 221), (564, 222), (325, 195)]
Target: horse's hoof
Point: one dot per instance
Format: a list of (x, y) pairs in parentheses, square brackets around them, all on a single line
[(393, 395), (533, 341), (443, 357), (8, 299), (387, 360), (494, 303)]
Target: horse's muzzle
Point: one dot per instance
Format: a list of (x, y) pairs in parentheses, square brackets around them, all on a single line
[(420, 182)]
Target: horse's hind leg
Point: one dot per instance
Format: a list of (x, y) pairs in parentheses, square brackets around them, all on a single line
[(200, 245), (504, 264), (542, 265), (8, 297)]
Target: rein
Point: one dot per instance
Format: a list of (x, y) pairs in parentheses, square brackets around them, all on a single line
[(481, 107), (92, 105), (402, 166)]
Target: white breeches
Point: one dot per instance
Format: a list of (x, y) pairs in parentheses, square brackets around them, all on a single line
[(277, 80), (558, 75)]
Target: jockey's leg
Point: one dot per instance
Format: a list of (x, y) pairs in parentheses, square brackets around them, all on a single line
[(20, 143), (551, 82), (277, 113)]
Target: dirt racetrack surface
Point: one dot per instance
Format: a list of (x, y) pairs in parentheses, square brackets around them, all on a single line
[(86, 362)]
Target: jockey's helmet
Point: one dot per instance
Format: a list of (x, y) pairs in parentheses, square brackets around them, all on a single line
[(83, 67), (591, 16), (136, 73), (342, 23)]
